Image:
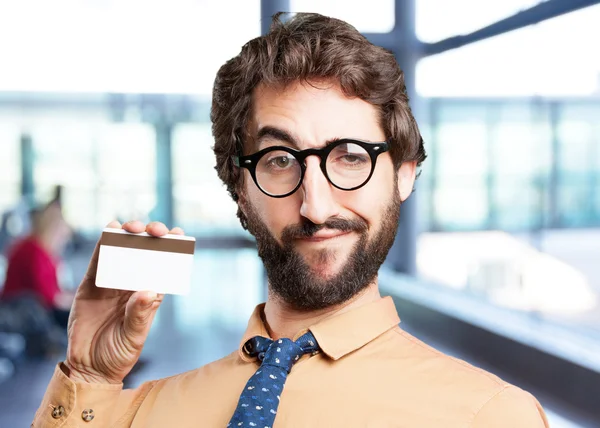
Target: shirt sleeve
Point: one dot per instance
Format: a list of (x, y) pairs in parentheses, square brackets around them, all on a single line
[(511, 407), (68, 404)]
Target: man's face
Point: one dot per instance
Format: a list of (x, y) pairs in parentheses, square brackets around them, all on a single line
[(320, 245)]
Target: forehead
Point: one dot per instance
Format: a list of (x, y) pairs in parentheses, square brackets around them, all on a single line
[(314, 113)]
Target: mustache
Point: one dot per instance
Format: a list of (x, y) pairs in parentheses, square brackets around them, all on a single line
[(307, 229)]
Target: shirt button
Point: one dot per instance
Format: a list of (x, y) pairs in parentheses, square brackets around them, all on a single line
[(87, 415), (58, 411)]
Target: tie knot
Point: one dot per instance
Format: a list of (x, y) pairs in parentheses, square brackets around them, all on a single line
[(282, 352)]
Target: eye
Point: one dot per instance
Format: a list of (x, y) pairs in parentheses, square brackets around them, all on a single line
[(352, 159), (349, 156), (280, 161)]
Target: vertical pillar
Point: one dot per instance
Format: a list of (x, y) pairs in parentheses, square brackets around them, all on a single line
[(268, 8), (163, 211), (27, 161), (403, 255), (491, 123), (553, 216), (164, 173)]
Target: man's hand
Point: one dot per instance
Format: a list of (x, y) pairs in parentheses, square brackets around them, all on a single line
[(108, 328)]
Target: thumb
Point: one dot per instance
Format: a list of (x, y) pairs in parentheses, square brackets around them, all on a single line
[(139, 313)]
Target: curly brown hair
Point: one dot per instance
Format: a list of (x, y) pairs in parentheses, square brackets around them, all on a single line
[(304, 48)]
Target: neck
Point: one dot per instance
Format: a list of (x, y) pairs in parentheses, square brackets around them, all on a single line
[(283, 321)]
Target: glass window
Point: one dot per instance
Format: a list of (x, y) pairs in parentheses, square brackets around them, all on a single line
[(517, 150), (63, 155), (376, 16), (461, 150), (578, 138), (108, 171), (460, 199), (523, 149), (227, 284), (460, 204), (519, 204), (521, 153), (524, 265), (576, 146), (577, 165), (495, 155), (125, 162), (201, 201)]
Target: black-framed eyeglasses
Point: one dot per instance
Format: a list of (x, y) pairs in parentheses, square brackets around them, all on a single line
[(278, 171)]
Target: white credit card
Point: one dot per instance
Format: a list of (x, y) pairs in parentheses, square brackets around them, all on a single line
[(138, 261)]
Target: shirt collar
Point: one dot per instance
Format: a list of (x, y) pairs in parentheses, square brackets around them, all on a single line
[(339, 334)]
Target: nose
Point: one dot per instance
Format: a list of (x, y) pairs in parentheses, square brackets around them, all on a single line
[(318, 204)]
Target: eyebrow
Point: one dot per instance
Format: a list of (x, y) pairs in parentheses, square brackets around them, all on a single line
[(271, 132)]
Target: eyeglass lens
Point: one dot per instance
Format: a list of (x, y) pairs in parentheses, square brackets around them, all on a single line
[(348, 166)]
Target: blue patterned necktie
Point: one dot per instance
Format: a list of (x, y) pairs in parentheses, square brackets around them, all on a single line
[(258, 403)]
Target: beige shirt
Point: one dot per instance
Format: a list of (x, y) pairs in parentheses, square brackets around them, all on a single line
[(369, 373)]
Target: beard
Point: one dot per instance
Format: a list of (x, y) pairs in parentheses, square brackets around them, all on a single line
[(293, 281)]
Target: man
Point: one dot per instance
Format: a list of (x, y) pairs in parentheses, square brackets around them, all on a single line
[(317, 145)]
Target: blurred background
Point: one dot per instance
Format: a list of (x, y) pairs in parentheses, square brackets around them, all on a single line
[(104, 114)]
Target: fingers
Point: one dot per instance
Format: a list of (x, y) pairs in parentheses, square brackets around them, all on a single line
[(156, 228), (114, 224), (176, 231), (139, 313), (134, 226)]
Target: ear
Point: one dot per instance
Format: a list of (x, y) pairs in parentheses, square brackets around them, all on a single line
[(241, 199), (407, 174)]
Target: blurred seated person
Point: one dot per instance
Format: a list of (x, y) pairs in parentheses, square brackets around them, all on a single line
[(33, 263)]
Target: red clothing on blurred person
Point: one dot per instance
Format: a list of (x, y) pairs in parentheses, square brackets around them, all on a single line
[(31, 270)]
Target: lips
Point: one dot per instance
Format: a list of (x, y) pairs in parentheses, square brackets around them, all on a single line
[(324, 235)]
